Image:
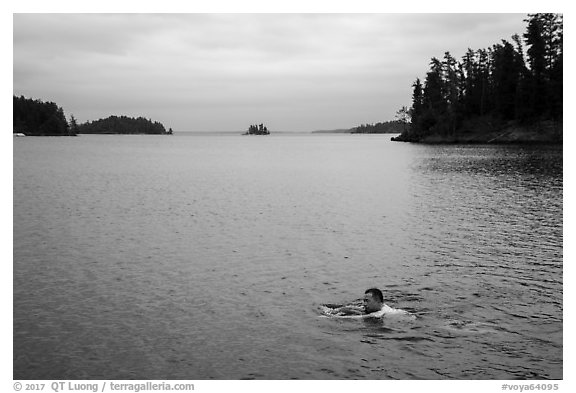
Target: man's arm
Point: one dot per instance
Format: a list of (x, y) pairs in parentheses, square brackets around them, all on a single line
[(350, 310)]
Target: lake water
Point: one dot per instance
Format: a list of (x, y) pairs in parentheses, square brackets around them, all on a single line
[(210, 256)]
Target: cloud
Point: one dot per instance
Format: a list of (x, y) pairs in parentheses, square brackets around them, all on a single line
[(187, 70)]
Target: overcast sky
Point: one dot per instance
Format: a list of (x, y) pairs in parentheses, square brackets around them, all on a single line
[(223, 72)]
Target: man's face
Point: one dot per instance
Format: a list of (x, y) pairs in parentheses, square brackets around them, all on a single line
[(370, 304)]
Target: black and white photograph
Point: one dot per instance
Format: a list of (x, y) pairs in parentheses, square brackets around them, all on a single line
[(274, 196)]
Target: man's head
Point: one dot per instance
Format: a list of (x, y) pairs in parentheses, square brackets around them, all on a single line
[(373, 300)]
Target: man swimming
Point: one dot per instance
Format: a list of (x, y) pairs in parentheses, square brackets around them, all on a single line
[(373, 306), (373, 302)]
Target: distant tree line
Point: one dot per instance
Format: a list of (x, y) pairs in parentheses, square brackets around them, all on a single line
[(387, 127), (122, 125), (35, 117), (501, 84), (257, 130)]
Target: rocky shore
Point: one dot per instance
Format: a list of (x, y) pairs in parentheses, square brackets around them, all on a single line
[(543, 132)]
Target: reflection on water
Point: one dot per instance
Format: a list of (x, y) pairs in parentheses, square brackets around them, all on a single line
[(208, 257)]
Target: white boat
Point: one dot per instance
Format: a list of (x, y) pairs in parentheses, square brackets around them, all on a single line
[(19, 134)]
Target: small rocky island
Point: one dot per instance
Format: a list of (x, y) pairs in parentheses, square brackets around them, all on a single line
[(257, 130)]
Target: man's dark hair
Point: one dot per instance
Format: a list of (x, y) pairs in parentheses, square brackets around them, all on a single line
[(376, 294)]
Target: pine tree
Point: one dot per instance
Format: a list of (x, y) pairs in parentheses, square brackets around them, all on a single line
[(506, 76), (452, 96), (537, 60), (417, 109), (73, 126)]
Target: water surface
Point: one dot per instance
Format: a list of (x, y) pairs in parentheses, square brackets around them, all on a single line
[(209, 257)]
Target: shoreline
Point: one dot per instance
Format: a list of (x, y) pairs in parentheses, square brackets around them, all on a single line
[(540, 133)]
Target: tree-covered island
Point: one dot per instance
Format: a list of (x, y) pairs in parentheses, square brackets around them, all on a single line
[(503, 94), (37, 118), (257, 130), (123, 125)]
